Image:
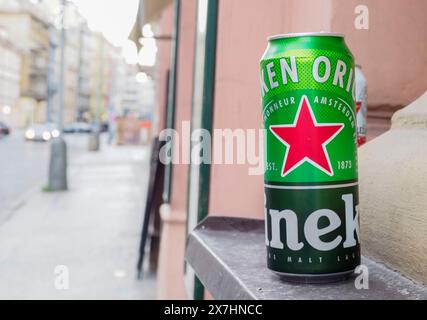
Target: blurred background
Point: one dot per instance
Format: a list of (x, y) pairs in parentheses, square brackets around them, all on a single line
[(103, 80), (68, 71)]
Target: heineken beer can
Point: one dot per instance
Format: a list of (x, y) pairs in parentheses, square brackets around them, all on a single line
[(310, 179), (361, 104)]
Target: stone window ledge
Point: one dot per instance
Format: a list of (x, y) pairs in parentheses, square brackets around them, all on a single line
[(228, 256)]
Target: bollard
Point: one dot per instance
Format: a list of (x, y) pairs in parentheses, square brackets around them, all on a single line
[(94, 141), (58, 165)]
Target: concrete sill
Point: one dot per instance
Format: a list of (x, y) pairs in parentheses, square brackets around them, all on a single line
[(228, 256)]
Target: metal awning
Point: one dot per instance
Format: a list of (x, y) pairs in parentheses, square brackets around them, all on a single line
[(148, 12)]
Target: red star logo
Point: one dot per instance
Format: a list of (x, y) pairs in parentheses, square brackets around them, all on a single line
[(306, 140)]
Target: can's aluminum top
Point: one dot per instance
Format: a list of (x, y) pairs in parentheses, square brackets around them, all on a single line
[(306, 34)]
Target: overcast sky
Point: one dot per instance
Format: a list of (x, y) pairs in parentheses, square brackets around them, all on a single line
[(114, 18)]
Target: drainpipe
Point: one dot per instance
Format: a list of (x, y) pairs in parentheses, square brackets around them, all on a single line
[(202, 117)]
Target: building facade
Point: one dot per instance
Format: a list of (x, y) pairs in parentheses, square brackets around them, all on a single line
[(10, 71), (83, 84), (27, 22), (137, 96), (99, 75), (95, 73)]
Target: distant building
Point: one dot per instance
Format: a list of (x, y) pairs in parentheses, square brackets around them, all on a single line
[(137, 94), (147, 97), (76, 62), (10, 73), (97, 81), (103, 69), (71, 75), (117, 82), (120, 92), (78, 50), (28, 26), (83, 82)]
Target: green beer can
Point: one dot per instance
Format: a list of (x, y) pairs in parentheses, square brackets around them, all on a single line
[(310, 179)]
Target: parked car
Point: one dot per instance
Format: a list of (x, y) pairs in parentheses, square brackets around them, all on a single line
[(4, 129), (77, 127), (42, 132)]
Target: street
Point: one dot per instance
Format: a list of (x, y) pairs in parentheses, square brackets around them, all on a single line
[(24, 166)]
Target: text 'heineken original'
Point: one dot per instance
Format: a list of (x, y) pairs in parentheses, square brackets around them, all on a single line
[(310, 180)]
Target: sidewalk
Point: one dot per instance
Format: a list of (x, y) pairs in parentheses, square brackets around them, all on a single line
[(93, 229)]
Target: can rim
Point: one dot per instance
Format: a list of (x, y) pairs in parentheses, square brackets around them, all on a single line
[(306, 34)]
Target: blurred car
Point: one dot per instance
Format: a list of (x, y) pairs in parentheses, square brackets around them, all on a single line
[(77, 127), (4, 129), (100, 127), (42, 132)]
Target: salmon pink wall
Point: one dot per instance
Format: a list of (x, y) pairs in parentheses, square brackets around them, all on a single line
[(172, 247), (392, 52), (242, 34)]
